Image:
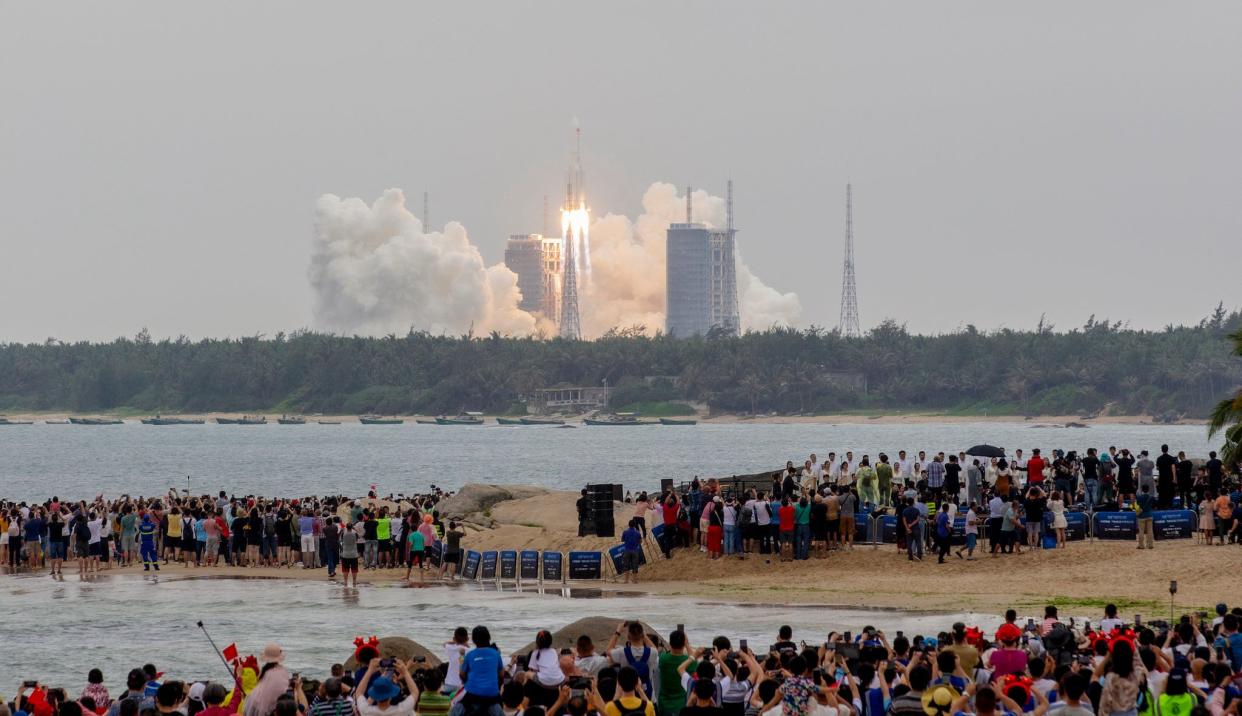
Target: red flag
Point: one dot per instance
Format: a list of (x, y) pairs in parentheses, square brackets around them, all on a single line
[(230, 653)]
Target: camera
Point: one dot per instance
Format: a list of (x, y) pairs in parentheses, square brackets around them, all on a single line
[(579, 683)]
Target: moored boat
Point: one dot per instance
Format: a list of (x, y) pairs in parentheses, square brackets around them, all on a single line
[(226, 421), (425, 422), (57, 422), (378, 420), (619, 419), (467, 418), (6, 421), (160, 420), (252, 420), (328, 422), (510, 421), (291, 420), (542, 421), (678, 421), (96, 421)]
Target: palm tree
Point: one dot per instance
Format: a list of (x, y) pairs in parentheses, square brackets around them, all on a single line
[(1227, 416)]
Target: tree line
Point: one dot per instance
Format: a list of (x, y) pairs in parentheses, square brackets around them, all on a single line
[(1100, 366)]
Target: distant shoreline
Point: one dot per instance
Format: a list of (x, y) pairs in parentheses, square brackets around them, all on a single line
[(876, 418)]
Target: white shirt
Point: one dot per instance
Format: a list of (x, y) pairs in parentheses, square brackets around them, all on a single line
[(365, 708), (760, 511), (546, 663), (452, 654), (1107, 624), (95, 526)]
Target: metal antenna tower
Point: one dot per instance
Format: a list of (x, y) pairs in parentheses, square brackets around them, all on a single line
[(426, 216), (849, 291), (570, 327)]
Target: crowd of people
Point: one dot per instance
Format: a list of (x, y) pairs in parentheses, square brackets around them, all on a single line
[(335, 533), (1011, 501), (1045, 667)]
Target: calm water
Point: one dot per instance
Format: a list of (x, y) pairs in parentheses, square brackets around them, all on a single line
[(57, 631), (81, 461)]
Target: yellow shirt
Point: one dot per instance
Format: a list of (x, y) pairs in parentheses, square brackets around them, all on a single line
[(631, 703), (174, 525)]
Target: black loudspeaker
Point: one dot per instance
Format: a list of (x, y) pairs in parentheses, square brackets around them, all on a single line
[(666, 485), (605, 528), (618, 492)]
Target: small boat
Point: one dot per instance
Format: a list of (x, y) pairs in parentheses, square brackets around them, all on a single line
[(57, 422), (96, 421), (159, 420), (467, 418), (252, 420), (291, 420), (328, 422), (510, 421), (6, 421), (678, 421), (378, 420), (226, 421), (619, 419), (425, 422), (542, 421)]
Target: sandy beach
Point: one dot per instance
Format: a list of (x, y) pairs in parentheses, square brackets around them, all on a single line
[(1084, 576), (877, 417)]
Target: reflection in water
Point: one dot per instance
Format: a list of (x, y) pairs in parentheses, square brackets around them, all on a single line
[(316, 621)]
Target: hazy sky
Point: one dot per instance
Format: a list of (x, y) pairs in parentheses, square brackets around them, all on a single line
[(160, 162)]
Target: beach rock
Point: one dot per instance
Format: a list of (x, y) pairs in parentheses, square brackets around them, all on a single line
[(398, 647), (600, 629), (474, 499)]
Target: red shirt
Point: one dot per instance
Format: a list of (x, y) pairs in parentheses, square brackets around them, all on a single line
[(1035, 470), (786, 513), (670, 514)]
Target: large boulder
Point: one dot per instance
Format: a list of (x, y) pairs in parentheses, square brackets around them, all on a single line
[(472, 500), (398, 647), (600, 629)]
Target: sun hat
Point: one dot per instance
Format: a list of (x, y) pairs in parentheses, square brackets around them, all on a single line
[(938, 700), (383, 689), (272, 654), (196, 691), (1008, 632)]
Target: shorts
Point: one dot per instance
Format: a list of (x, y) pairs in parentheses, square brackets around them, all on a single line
[(83, 548), (349, 564), (629, 562), (383, 545), (847, 526), (453, 558), (129, 543), (416, 557), (787, 537), (56, 550), (97, 549), (834, 526), (971, 541)]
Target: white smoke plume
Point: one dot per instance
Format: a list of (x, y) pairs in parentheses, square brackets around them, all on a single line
[(375, 270), (627, 284)]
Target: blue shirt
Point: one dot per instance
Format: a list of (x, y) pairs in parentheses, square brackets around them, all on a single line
[(1232, 644), (306, 526), (480, 670), (632, 539), (146, 532), (1144, 502)]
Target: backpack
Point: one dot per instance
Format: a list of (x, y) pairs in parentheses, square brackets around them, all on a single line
[(641, 666), (640, 711), (1061, 644), (747, 516)]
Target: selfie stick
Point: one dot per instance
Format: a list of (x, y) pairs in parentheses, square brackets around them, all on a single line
[(222, 659)]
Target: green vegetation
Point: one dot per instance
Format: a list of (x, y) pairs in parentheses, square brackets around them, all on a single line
[(1098, 367), (1227, 416)]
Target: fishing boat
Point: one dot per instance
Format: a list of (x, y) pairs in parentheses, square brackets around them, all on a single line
[(96, 421), (159, 420), (378, 420), (6, 421), (510, 421), (426, 422), (619, 419), (226, 421), (467, 418), (678, 421), (252, 420), (542, 421), (291, 420), (328, 422), (56, 422)]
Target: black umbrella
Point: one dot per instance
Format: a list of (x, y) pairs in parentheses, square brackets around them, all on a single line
[(986, 451)]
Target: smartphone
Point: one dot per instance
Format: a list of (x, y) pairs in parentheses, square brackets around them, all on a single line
[(1138, 621), (681, 628), (741, 644), (900, 633), (1030, 623), (29, 684)]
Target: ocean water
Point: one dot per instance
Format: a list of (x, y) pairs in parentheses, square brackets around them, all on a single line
[(74, 461), (56, 631)]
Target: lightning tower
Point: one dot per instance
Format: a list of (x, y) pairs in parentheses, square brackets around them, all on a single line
[(849, 291)]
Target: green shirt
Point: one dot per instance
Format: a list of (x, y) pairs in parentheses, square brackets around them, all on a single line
[(383, 528), (672, 698), (129, 525), (416, 541), (802, 514), (884, 471), (434, 704)]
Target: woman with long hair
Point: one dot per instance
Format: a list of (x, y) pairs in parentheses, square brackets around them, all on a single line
[(1056, 505), (1123, 680), (273, 683), (544, 667)]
